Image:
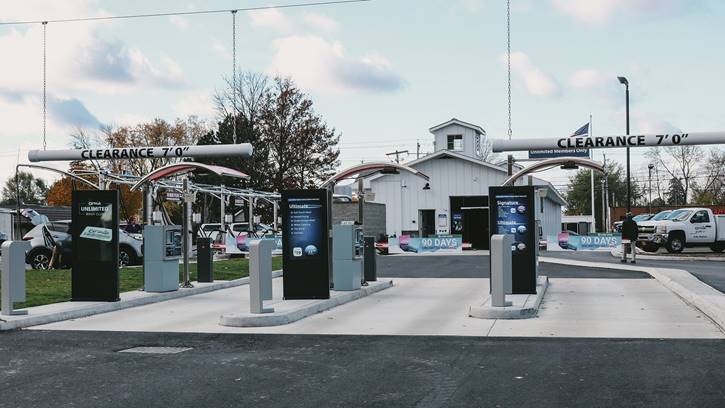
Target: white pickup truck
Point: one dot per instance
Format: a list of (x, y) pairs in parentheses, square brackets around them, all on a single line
[(689, 227)]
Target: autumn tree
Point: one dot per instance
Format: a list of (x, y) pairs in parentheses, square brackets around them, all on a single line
[(26, 187)]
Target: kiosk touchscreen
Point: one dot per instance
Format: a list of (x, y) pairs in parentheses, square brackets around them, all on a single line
[(512, 213), (306, 257)]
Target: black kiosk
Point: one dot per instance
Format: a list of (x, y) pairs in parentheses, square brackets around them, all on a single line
[(306, 255), (95, 274), (512, 212)]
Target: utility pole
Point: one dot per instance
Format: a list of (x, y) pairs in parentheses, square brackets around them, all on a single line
[(397, 154), (417, 149), (605, 197)]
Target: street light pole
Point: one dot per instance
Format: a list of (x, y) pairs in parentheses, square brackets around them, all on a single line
[(650, 167), (623, 81)]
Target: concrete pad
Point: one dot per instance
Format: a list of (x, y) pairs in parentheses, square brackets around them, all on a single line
[(73, 310), (522, 306), (288, 311), (640, 308)]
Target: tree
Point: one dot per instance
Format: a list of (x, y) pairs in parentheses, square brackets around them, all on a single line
[(678, 162), (712, 190), (579, 194), (676, 193), (31, 190)]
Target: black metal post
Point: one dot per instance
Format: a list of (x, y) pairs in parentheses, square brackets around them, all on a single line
[(629, 179)]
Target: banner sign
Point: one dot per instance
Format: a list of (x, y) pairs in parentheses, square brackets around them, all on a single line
[(512, 213), (94, 228), (243, 150), (565, 241), (306, 256), (607, 142), (438, 243), (551, 153)]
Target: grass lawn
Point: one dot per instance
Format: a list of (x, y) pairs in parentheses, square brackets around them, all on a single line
[(44, 287)]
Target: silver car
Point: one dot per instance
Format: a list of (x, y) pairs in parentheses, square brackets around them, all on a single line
[(43, 237)]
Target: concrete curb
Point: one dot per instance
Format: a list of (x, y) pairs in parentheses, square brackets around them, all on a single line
[(85, 309), (682, 283), (299, 313), (528, 310), (643, 255)]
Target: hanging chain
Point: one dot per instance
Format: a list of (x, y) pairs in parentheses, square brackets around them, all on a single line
[(45, 97), (234, 75), (508, 58)]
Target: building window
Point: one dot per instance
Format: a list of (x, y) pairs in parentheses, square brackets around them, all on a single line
[(455, 142)]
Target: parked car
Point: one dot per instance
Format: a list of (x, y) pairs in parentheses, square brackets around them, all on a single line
[(44, 237), (637, 218), (691, 227)]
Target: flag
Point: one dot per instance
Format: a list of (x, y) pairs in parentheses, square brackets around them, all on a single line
[(582, 131)]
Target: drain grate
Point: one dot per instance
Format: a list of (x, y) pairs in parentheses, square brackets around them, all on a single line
[(155, 350)]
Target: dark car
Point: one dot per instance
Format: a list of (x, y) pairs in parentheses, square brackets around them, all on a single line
[(637, 218)]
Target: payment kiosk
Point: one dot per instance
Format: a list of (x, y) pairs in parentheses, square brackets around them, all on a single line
[(347, 256), (162, 251)]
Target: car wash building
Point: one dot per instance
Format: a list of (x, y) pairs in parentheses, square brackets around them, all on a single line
[(455, 199)]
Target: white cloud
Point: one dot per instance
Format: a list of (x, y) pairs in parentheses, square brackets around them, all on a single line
[(182, 23), (536, 81), (646, 122), (271, 18), (318, 64), (322, 22), (588, 78), (604, 11), (197, 103)]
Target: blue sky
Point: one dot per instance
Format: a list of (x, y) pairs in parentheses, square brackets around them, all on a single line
[(381, 72)]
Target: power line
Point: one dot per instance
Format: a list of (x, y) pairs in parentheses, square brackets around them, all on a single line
[(183, 13)]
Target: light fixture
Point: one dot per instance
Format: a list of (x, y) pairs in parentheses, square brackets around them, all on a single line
[(426, 186), (623, 81)]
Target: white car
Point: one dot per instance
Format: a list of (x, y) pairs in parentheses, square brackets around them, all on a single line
[(42, 238), (692, 227)]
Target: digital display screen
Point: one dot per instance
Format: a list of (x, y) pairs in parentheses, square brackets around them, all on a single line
[(305, 228), (512, 218)]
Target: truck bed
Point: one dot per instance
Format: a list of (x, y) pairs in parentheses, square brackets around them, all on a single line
[(720, 220)]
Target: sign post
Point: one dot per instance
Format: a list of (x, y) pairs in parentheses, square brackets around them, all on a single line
[(512, 213), (95, 273), (306, 255)]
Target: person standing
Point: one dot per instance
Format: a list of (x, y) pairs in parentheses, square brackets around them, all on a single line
[(630, 232), (133, 227)]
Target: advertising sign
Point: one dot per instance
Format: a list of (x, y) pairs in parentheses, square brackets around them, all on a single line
[(566, 241), (95, 273), (306, 254), (438, 243), (552, 153), (513, 214)]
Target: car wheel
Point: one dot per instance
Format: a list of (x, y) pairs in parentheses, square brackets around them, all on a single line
[(126, 257), (675, 244), (40, 258), (718, 247)]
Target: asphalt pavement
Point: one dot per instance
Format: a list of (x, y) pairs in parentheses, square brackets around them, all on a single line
[(85, 369), (710, 272), (477, 266)]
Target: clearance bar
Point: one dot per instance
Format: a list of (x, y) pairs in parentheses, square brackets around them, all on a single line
[(605, 142), (243, 150)]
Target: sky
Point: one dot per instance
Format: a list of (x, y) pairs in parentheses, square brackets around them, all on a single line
[(381, 72)]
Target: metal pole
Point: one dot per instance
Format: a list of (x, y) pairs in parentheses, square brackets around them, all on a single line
[(18, 234), (510, 165), (274, 215), (222, 208), (148, 207), (591, 175), (629, 180), (251, 215), (186, 227), (360, 201), (650, 189)]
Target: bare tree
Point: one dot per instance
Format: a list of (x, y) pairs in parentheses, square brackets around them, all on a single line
[(680, 163), (247, 97)]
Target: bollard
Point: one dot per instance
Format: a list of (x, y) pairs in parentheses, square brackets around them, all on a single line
[(13, 276), (260, 275), (500, 269)]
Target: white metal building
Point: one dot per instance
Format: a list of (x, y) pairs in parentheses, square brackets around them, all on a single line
[(456, 198)]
